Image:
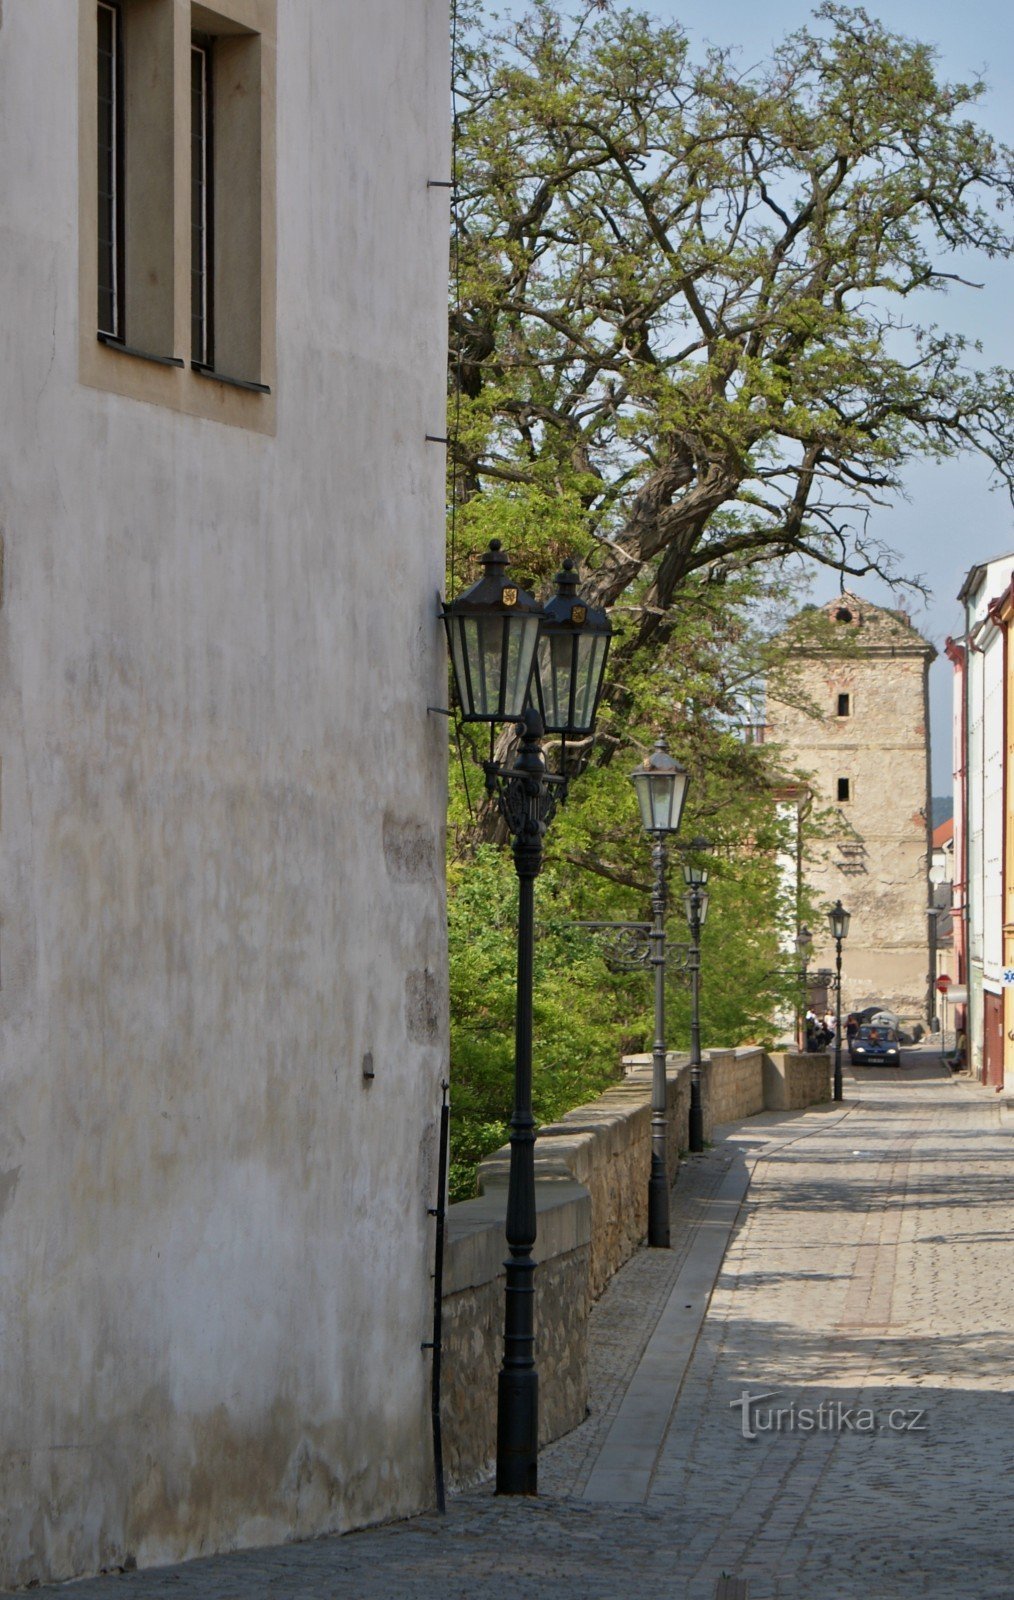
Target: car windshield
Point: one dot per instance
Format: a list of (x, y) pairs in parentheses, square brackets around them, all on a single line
[(878, 1035)]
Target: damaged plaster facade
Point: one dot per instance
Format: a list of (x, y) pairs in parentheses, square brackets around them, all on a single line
[(849, 710), (221, 851)]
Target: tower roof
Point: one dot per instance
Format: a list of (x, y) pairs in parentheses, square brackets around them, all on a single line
[(850, 625)]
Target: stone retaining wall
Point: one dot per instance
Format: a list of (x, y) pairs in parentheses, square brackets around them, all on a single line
[(473, 1319), (793, 1080), (591, 1172), (737, 1085)]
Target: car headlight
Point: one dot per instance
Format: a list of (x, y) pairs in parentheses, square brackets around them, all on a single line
[(860, 1049)]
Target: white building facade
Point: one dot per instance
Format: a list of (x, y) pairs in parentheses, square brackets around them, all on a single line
[(222, 945), (983, 716)]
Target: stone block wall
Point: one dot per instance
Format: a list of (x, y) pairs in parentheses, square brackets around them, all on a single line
[(793, 1080), (592, 1207), (473, 1306), (736, 1081)]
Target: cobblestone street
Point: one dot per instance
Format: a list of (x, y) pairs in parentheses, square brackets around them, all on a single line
[(865, 1298)]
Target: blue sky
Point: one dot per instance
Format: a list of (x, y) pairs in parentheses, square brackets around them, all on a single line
[(950, 520)]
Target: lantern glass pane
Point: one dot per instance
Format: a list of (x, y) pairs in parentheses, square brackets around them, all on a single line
[(556, 660), (679, 795), (591, 651), (519, 640), (477, 643), (640, 782), (661, 786), (703, 901)]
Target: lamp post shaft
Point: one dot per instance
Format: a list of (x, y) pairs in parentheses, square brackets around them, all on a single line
[(696, 1129), (658, 1182), (517, 1430), (802, 1007), (837, 1021)]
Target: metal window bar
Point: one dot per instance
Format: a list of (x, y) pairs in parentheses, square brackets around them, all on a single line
[(200, 203), (109, 40)]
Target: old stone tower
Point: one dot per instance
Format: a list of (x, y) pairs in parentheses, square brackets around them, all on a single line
[(850, 710)]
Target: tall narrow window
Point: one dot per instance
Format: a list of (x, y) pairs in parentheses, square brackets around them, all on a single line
[(844, 788), (201, 232), (110, 170), (844, 706)]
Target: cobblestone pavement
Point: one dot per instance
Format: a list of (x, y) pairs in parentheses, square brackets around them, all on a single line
[(866, 1293)]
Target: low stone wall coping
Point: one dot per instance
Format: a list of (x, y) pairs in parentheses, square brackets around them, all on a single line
[(476, 1248)]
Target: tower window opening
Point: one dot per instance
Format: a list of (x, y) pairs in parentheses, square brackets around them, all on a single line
[(844, 705), (844, 789)]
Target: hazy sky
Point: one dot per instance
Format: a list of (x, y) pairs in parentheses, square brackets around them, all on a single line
[(951, 520)]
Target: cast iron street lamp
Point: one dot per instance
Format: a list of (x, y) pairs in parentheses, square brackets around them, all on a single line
[(499, 636), (661, 788), (839, 919), (695, 902)]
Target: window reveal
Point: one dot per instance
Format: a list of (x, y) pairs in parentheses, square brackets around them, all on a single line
[(201, 213), (110, 170)]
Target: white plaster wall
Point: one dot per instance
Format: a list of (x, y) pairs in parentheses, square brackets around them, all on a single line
[(975, 799), (984, 749), (221, 876), (992, 807)]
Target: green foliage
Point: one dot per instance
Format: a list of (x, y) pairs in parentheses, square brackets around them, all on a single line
[(581, 1011)]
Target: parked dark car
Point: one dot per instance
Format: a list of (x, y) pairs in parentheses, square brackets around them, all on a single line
[(875, 1045)]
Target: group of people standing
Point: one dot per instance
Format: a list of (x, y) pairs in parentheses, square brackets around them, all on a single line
[(820, 1032)]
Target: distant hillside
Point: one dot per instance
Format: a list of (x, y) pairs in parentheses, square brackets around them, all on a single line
[(942, 808)]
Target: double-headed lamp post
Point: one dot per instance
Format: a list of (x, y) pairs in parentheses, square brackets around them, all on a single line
[(839, 920), (661, 787), (695, 902), (540, 667)]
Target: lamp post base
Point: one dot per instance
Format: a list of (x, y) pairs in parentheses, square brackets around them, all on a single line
[(658, 1208), (696, 1131), (517, 1433)]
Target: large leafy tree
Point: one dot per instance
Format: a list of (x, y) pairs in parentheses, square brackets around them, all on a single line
[(689, 316)]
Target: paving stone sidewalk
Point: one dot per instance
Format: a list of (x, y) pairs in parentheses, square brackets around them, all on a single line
[(865, 1294)]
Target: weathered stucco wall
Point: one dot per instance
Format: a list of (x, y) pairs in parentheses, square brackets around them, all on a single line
[(874, 854), (592, 1197), (220, 850)]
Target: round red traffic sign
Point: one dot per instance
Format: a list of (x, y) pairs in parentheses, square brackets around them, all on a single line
[(943, 983)]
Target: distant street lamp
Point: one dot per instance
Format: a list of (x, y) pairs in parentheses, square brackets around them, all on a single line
[(839, 920), (499, 637), (696, 905), (661, 788), (804, 945)]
